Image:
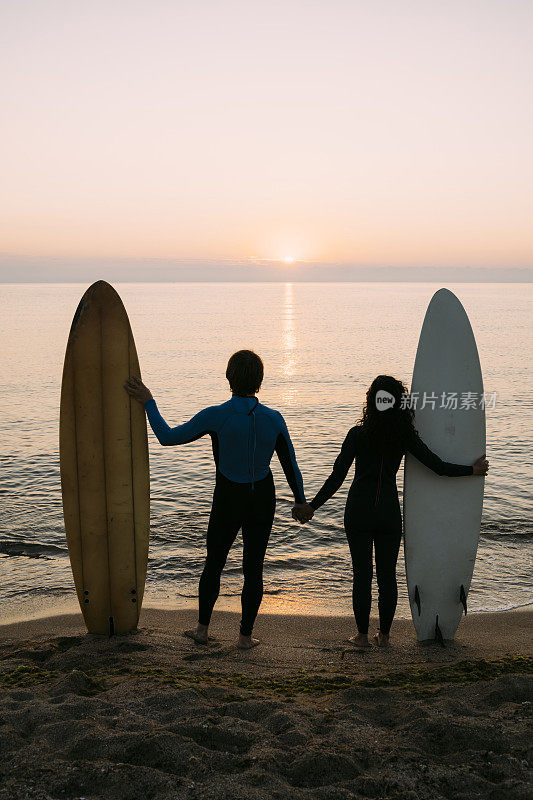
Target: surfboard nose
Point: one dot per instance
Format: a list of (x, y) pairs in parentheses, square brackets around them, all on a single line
[(99, 285), (99, 290), (447, 298), (100, 293)]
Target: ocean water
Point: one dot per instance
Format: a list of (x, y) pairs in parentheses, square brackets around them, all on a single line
[(322, 344)]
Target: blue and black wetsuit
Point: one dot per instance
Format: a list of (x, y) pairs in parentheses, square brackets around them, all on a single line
[(244, 435), (373, 516)]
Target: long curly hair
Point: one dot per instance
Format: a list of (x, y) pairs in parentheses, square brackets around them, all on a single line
[(388, 424)]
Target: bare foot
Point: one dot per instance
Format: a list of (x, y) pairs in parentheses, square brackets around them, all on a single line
[(381, 639), (199, 634), (247, 642), (361, 640)]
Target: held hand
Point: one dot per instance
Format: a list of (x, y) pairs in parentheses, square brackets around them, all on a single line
[(302, 512), (298, 513), (481, 467), (136, 389)]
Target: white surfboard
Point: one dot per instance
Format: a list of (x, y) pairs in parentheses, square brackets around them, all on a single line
[(442, 515)]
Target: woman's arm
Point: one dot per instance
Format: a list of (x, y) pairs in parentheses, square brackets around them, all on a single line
[(182, 434), (342, 464), (431, 460)]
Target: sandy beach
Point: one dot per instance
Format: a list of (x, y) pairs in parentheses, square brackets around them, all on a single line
[(305, 715)]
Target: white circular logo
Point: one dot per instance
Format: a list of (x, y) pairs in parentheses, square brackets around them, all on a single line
[(384, 400)]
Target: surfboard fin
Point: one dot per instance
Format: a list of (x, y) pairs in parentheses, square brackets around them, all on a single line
[(462, 597), (438, 633), (417, 599)]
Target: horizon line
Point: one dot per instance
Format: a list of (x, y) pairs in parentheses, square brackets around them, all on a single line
[(146, 271)]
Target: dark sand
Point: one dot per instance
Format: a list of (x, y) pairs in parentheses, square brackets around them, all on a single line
[(305, 715)]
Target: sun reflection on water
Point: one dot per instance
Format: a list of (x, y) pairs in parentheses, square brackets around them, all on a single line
[(288, 338)]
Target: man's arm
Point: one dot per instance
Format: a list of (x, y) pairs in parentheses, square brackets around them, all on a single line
[(287, 459), (196, 427)]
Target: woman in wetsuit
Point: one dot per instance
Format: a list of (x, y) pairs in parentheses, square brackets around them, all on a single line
[(244, 434), (372, 516)]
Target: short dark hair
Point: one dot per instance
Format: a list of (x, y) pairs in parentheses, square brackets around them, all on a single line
[(245, 372)]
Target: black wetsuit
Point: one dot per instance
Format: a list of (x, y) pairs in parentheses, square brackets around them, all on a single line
[(235, 506), (373, 516)]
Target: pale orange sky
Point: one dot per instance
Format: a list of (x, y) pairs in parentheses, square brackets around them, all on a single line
[(358, 132)]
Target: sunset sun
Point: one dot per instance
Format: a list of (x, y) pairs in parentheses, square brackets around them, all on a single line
[(288, 260)]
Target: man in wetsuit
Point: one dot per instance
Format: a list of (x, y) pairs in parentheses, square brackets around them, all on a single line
[(244, 434)]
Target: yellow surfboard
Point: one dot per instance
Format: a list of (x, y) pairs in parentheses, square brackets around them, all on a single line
[(105, 479)]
